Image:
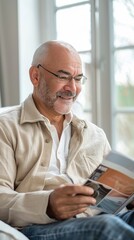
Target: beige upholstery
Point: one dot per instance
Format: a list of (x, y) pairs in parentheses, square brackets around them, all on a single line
[(4, 109), (9, 233)]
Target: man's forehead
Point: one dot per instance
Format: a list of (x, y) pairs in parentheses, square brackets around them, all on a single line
[(66, 66), (60, 51)]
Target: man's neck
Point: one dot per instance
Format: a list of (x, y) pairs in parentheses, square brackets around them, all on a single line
[(54, 118)]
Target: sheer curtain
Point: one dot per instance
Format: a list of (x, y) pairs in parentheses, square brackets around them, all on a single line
[(9, 64)]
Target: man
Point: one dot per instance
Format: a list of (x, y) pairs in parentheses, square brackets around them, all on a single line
[(47, 154)]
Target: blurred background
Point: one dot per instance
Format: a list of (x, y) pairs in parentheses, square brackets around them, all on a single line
[(102, 31)]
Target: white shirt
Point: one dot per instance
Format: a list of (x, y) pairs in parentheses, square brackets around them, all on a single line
[(58, 161)]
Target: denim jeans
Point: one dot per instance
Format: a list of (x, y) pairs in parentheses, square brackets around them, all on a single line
[(100, 227)]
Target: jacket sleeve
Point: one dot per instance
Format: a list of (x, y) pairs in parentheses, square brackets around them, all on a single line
[(18, 208)]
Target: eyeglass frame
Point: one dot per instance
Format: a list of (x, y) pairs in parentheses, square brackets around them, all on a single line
[(69, 78)]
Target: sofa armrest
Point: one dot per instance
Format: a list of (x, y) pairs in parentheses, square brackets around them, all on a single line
[(9, 233)]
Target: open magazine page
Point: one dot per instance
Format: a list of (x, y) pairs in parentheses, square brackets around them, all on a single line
[(113, 182)]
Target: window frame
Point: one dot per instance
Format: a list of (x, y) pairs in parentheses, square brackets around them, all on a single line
[(102, 63)]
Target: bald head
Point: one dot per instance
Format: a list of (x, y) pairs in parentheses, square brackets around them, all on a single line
[(53, 64), (52, 51)]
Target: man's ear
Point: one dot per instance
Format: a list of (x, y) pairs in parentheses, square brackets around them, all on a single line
[(34, 75)]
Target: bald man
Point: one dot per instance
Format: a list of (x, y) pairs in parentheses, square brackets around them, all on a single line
[(47, 153)]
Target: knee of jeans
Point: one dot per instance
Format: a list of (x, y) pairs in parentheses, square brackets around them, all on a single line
[(111, 221)]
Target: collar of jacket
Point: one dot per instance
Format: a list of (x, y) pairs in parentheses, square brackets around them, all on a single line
[(29, 113)]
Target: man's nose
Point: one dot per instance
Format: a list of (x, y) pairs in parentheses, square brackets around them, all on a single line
[(71, 85)]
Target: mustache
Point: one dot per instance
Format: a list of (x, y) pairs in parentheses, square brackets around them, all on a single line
[(66, 94)]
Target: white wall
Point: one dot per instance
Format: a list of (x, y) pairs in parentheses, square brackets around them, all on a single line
[(9, 64), (29, 40), (33, 16)]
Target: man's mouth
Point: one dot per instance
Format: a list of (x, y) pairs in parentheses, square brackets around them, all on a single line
[(66, 95), (66, 99)]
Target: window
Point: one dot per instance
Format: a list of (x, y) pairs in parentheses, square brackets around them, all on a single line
[(104, 39), (124, 75), (73, 25)]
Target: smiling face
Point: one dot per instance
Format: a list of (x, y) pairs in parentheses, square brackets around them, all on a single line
[(50, 92)]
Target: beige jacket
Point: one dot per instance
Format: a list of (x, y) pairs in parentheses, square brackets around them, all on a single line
[(25, 150)]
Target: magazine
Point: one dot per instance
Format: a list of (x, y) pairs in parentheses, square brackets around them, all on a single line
[(113, 183)]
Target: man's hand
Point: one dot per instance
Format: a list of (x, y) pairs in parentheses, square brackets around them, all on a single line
[(69, 200)]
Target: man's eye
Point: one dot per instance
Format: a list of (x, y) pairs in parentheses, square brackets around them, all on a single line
[(78, 79), (63, 77)]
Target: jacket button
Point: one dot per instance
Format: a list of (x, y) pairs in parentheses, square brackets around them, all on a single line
[(47, 140)]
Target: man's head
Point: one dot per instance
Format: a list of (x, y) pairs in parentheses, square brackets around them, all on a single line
[(56, 76)]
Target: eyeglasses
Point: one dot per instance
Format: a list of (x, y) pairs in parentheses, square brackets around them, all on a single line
[(65, 77)]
